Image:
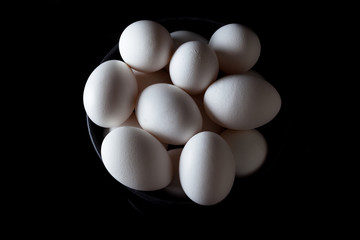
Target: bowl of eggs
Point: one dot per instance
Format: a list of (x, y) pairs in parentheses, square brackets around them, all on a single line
[(177, 113)]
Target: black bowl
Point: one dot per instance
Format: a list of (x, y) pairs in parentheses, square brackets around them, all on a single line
[(274, 132)]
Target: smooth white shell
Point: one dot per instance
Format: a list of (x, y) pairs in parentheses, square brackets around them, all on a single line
[(193, 67), (241, 101), (146, 46), (237, 47), (110, 93), (136, 159), (249, 148), (207, 168), (169, 113)]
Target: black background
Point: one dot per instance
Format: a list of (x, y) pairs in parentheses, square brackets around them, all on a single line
[(70, 182)]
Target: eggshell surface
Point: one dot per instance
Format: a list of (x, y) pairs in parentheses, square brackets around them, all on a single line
[(237, 47), (249, 148), (207, 168), (110, 93), (145, 45), (241, 101), (169, 113), (193, 66), (136, 159)]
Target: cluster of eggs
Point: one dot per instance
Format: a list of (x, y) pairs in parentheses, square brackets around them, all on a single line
[(180, 111)]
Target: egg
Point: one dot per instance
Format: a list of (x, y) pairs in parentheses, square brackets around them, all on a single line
[(249, 148), (237, 47), (136, 159), (169, 113), (241, 101), (145, 79), (110, 93), (207, 168), (145, 45), (193, 67), (175, 188)]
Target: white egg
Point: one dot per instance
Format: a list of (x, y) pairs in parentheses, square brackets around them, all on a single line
[(237, 47), (146, 46), (169, 113), (193, 67), (175, 188), (249, 148), (110, 93), (136, 159), (207, 168), (145, 79), (241, 101), (181, 36)]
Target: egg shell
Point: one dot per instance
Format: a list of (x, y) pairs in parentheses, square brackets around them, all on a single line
[(110, 93), (207, 168), (237, 47), (193, 67), (146, 45), (249, 148), (241, 101), (136, 159), (169, 113), (175, 188)]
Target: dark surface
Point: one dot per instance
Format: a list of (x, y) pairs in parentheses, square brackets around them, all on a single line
[(76, 184)]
